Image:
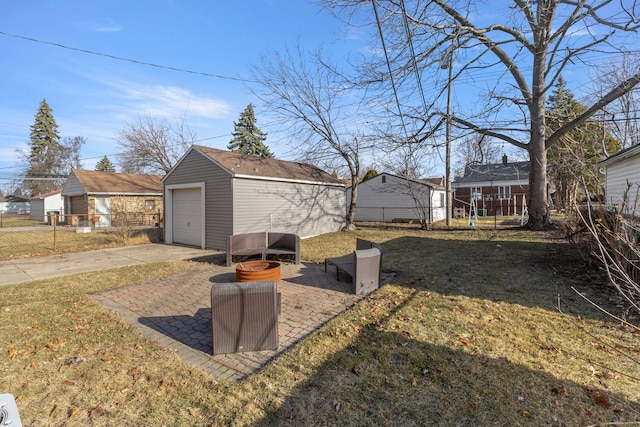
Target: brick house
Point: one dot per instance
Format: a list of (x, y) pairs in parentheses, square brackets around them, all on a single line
[(106, 197), (496, 189)]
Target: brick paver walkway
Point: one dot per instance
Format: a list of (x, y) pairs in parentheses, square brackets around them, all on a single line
[(176, 311)]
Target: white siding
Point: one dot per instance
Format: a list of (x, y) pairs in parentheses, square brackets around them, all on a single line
[(303, 209), (617, 177), (396, 198)]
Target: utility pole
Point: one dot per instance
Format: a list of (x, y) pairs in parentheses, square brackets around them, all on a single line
[(449, 204)]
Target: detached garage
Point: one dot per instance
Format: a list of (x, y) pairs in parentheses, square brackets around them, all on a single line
[(211, 194)]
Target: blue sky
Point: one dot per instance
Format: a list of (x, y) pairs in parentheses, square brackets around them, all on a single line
[(95, 96)]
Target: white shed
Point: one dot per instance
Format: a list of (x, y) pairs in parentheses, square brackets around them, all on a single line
[(622, 180), (44, 203), (387, 197), (211, 194)]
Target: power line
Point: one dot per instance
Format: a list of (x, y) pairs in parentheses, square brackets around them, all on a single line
[(386, 55), (119, 58)]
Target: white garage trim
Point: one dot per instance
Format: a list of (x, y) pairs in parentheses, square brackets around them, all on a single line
[(169, 208)]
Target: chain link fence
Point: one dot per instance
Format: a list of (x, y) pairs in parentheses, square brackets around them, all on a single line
[(23, 237)]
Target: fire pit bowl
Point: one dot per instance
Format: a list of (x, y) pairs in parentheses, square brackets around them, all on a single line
[(257, 271)]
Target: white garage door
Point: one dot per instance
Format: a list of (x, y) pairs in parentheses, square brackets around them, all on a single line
[(187, 216)]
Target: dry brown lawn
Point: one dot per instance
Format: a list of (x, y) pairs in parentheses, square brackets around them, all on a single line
[(479, 327)]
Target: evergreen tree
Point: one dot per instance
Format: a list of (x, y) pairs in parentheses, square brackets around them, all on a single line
[(247, 138), (105, 165), (371, 173), (45, 151), (573, 158)]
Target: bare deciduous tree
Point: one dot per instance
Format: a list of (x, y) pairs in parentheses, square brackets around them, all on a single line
[(476, 149), (306, 93), (520, 55), (152, 146), (621, 116)]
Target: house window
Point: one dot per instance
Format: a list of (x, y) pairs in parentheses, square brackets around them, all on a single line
[(441, 200), (149, 205), (384, 179), (476, 193), (504, 192)]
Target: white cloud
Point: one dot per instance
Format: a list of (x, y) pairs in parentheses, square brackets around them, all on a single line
[(171, 101), (109, 27)]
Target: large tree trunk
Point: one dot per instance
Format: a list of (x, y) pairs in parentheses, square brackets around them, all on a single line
[(539, 206)]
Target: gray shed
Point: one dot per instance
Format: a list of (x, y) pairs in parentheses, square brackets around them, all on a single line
[(211, 194)]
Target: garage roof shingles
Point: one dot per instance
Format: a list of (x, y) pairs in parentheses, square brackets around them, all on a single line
[(118, 183), (255, 166)]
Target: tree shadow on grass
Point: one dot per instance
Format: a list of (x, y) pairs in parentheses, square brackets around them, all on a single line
[(381, 374), (387, 379), (531, 274)]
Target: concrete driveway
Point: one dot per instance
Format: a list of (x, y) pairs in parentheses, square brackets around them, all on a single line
[(47, 267)]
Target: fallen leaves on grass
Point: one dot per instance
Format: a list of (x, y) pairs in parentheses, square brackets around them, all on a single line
[(12, 353), (73, 412), (464, 340), (96, 412), (600, 398)]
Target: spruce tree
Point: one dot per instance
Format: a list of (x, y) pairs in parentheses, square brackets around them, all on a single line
[(572, 160), (45, 151), (105, 165), (247, 137)]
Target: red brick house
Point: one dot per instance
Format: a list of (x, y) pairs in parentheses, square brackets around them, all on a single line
[(496, 189)]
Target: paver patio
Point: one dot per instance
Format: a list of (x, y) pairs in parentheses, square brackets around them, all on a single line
[(176, 312)]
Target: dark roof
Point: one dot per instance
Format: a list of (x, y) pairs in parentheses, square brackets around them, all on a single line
[(621, 155), (125, 183), (495, 172), (15, 199), (255, 166)]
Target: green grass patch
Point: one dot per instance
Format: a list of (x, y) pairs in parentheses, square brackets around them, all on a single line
[(479, 327)]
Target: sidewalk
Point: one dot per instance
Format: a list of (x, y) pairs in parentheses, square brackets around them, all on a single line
[(27, 269)]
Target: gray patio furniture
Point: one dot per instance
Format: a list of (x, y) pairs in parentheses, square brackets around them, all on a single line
[(364, 266), (263, 244), (244, 316)]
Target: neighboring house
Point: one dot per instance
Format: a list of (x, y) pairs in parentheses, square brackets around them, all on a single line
[(3, 205), (17, 205), (211, 194), (388, 198), (496, 189), (43, 204), (622, 180), (112, 196)]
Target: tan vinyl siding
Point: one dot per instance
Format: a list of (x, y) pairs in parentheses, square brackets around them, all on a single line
[(304, 209), (195, 168)]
